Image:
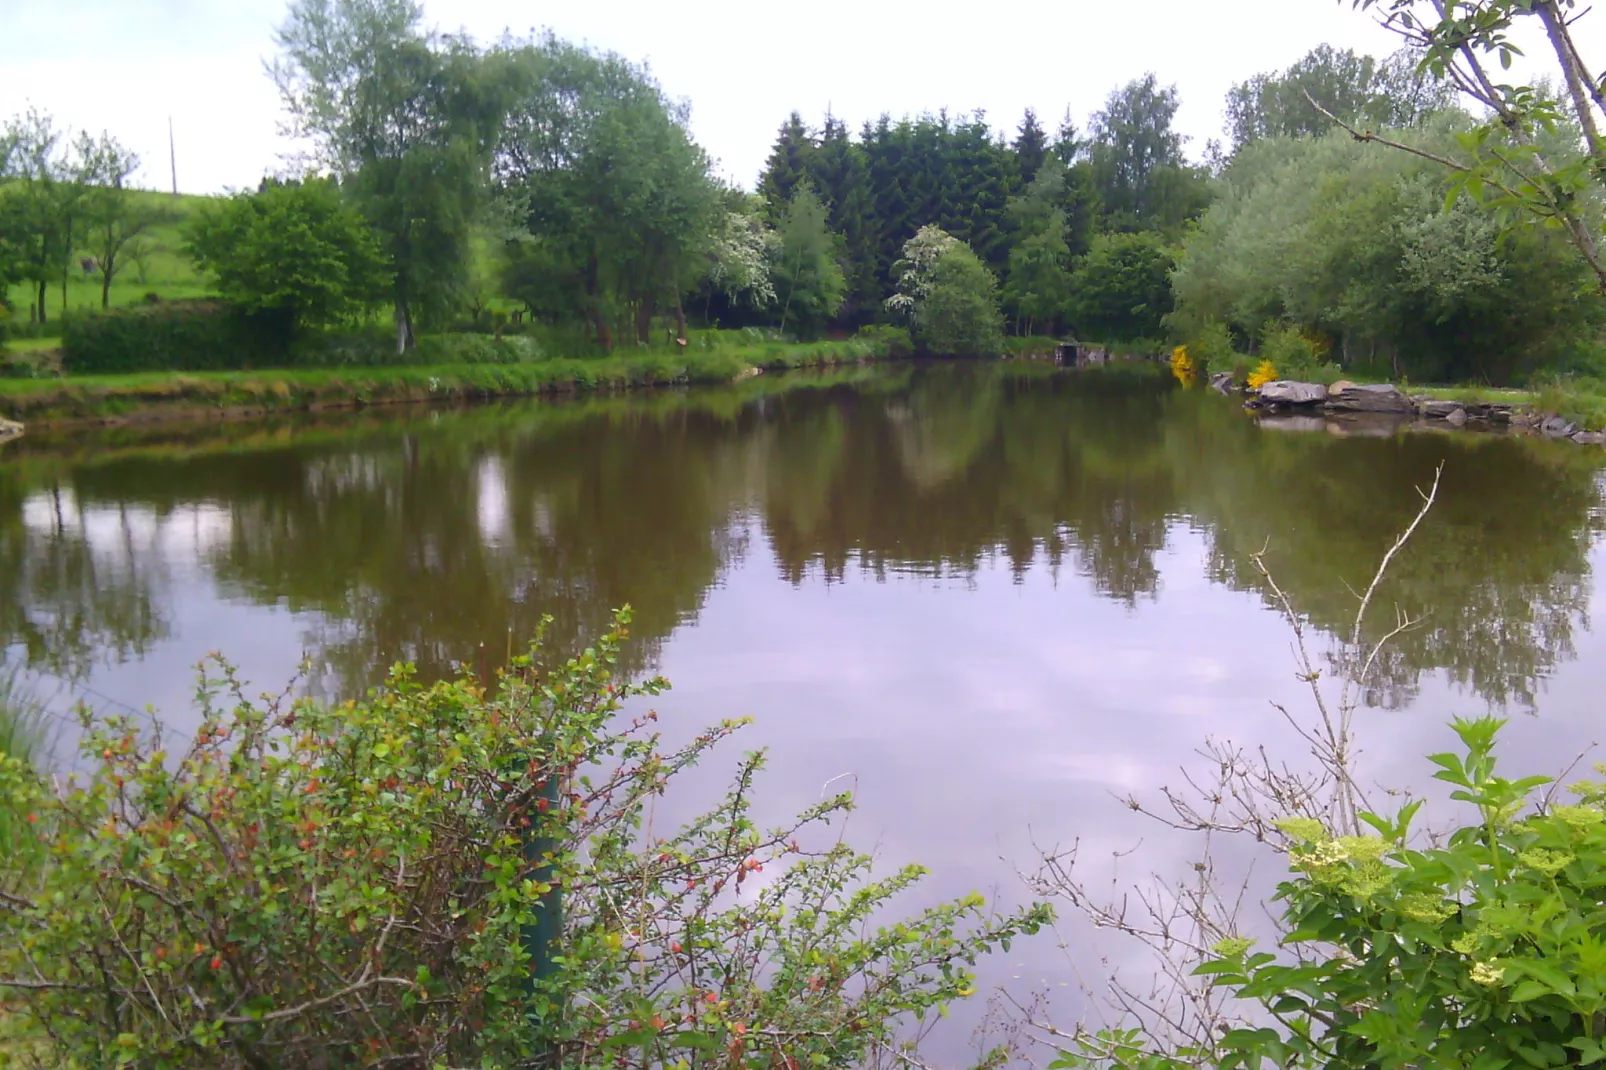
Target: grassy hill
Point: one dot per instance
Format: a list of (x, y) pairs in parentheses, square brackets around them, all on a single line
[(166, 270)]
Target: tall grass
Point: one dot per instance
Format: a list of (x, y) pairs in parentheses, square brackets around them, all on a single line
[(22, 716)]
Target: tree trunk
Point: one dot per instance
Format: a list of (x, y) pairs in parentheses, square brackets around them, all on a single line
[(43, 296), (680, 322), (404, 327), (106, 285), (644, 321)]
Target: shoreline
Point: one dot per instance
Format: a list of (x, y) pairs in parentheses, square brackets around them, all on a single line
[(153, 397)]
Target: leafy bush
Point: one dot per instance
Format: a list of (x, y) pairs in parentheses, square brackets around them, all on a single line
[(378, 883), (892, 342), (172, 336), (1213, 352), (1483, 952), (291, 250), (1296, 355), (958, 315), (1122, 289)]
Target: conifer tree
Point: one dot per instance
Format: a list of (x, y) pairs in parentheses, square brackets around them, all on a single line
[(1031, 148), (788, 165)]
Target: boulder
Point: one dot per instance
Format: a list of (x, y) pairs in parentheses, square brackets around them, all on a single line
[(1221, 382), (1335, 389), (9, 429), (1590, 438), (1434, 409), (1457, 417), (1288, 392), (1376, 397), (1556, 427)]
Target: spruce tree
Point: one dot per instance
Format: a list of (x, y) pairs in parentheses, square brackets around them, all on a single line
[(789, 164), (1031, 148)]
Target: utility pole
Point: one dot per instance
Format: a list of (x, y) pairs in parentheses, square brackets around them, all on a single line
[(172, 156)]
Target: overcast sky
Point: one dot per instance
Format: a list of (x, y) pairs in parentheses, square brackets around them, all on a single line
[(126, 65)]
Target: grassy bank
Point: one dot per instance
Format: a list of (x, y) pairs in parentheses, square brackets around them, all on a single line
[(159, 394)]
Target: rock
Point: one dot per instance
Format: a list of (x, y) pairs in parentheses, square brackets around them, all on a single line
[(1378, 397), (1221, 382), (9, 429), (1556, 427), (1287, 392), (1434, 409), (1457, 417), (1590, 438), (1335, 389)]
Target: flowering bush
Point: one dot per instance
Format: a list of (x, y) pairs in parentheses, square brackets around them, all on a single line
[(1182, 366), (453, 875), (1265, 372), (1486, 951)]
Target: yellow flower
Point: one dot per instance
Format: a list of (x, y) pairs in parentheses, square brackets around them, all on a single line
[(1264, 373), (1182, 366)]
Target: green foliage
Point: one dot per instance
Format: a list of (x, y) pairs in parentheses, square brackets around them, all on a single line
[(176, 336), (958, 315), (1212, 351), (1484, 950), (1143, 180), (291, 250), (1037, 287), (1360, 246), (412, 147), (616, 201), (1295, 355), (893, 342), (1122, 290), (379, 880), (1351, 86), (808, 275)]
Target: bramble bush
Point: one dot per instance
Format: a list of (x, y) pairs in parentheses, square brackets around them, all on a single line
[(376, 883)]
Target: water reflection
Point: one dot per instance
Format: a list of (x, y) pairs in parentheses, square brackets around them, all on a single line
[(441, 537)]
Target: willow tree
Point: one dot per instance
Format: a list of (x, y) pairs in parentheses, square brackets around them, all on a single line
[(1540, 151), (618, 202), (408, 120)]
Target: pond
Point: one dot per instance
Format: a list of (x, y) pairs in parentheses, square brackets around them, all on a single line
[(990, 598)]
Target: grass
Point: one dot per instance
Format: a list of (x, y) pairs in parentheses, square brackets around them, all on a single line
[(112, 397), (168, 271)]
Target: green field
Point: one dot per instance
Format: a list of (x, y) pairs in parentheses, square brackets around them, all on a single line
[(166, 270)]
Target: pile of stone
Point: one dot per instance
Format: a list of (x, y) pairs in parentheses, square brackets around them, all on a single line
[(1384, 399), (9, 429)]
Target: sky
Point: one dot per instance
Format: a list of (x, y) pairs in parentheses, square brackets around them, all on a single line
[(126, 66)]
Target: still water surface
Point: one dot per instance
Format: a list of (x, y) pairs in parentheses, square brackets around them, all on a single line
[(993, 596)]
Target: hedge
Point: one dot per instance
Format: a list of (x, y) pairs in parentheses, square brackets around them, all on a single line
[(180, 336)]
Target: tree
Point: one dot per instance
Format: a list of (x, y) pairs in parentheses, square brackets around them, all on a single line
[(739, 259), (1133, 146), (408, 122), (959, 316), (948, 296), (597, 166), (1030, 147), (1359, 247), (808, 277), (1514, 152), (292, 251), (113, 217), (1037, 285), (790, 162), (47, 188), (840, 173), (1122, 290), (1358, 88)]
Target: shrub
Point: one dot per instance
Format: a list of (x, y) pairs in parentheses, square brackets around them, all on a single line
[(1481, 951), (1212, 350), (377, 883), (172, 336), (958, 314), (1296, 355), (1265, 372), (891, 342)]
